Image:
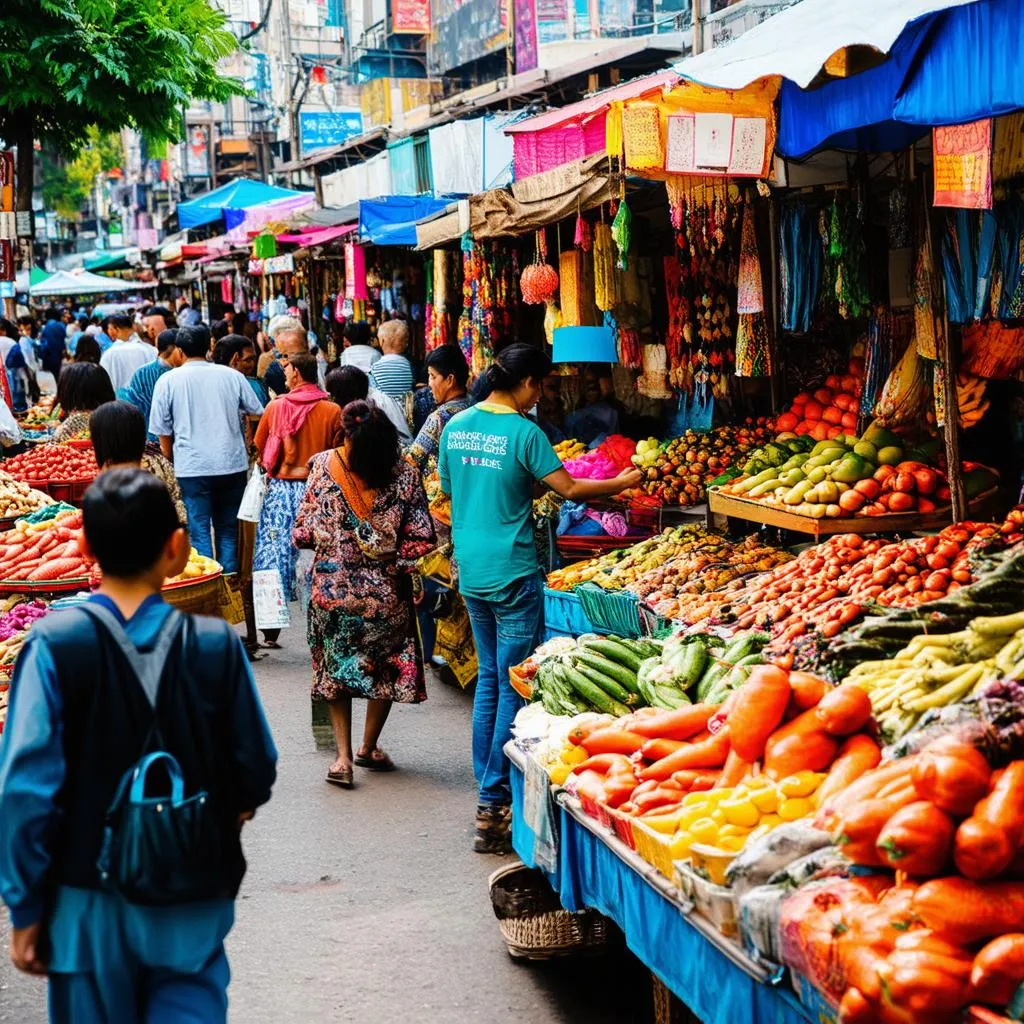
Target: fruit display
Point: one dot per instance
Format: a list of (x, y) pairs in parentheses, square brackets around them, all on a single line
[(198, 565), (17, 615), (18, 499), (44, 414), (44, 551), (828, 411), (54, 463), (678, 471), (569, 449)]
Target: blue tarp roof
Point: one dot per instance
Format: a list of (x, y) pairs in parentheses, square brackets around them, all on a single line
[(391, 220), (950, 67), (238, 195)]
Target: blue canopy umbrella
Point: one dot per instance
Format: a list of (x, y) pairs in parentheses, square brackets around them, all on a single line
[(238, 195)]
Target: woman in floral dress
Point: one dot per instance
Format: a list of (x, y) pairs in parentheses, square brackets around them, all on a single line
[(365, 516)]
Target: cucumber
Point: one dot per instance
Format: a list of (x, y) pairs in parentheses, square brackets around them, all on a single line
[(743, 646), (692, 666), (609, 685), (718, 694), (614, 650), (711, 678), (670, 698), (593, 694), (626, 677)]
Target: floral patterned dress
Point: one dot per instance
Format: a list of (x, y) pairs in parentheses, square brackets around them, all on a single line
[(362, 624)]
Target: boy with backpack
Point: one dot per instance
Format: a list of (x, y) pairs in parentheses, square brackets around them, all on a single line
[(135, 749)]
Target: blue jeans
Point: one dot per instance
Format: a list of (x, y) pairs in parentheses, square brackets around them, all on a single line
[(212, 501), (506, 632), (143, 995)]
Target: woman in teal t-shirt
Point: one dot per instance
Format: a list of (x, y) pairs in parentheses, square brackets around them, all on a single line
[(490, 458)]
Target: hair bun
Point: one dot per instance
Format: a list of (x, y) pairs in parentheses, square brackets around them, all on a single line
[(356, 413)]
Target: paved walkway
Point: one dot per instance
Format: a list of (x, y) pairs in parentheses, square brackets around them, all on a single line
[(369, 906)]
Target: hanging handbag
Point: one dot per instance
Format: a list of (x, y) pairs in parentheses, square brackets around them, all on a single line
[(158, 848)]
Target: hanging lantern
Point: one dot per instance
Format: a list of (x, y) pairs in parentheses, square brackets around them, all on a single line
[(318, 75), (539, 281)]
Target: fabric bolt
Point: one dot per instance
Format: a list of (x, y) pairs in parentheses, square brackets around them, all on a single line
[(123, 358), (212, 503), (506, 628), (362, 625), (274, 547), (199, 405), (139, 390), (423, 452), (490, 459), (363, 357), (392, 374)]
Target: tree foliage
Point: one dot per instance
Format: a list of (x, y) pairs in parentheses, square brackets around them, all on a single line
[(67, 185), (68, 65)]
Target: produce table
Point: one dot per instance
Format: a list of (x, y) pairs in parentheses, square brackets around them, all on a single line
[(713, 976)]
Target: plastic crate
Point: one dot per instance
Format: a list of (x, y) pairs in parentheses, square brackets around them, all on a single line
[(564, 614), (715, 903), (615, 612), (623, 825), (655, 848)]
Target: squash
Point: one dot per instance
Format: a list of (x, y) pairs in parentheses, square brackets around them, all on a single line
[(998, 970), (917, 839), (844, 710), (987, 842), (966, 912), (758, 709), (951, 774)]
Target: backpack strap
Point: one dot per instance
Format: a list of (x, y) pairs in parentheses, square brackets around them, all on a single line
[(148, 666)]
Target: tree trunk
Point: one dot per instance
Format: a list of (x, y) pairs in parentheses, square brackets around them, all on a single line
[(25, 170)]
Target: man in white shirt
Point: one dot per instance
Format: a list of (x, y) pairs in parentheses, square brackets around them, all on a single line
[(126, 354), (392, 373), (196, 415), (358, 350)]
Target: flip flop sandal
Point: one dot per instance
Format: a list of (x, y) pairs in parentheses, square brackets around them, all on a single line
[(375, 764), (342, 778)]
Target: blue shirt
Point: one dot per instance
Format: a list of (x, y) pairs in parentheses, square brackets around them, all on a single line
[(140, 388), (392, 374), (52, 341), (490, 459), (104, 339), (88, 928), (199, 405)]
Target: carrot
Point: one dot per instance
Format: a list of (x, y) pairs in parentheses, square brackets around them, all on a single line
[(857, 755), (655, 750), (600, 763), (844, 710), (953, 775), (734, 771), (613, 740), (807, 689), (758, 709), (987, 841), (869, 785), (799, 745), (675, 725), (711, 753), (998, 970), (696, 780), (966, 912)]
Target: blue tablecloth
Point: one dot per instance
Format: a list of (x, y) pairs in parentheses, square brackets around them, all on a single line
[(590, 874)]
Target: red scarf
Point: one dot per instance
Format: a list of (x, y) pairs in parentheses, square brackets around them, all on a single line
[(290, 413)]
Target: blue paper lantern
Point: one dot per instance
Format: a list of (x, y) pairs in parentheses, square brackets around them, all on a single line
[(584, 345)]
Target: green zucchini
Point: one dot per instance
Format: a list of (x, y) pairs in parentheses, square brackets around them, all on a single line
[(594, 695), (621, 674), (615, 650), (614, 690), (691, 667), (671, 698)]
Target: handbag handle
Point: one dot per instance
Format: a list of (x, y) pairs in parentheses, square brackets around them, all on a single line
[(138, 790)]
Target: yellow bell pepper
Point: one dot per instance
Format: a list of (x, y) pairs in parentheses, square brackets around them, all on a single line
[(558, 773), (681, 845), (766, 800), (572, 755), (732, 830), (696, 798), (704, 830), (741, 812), (718, 816), (757, 782), (794, 808), (771, 820), (666, 824), (732, 844), (801, 784)]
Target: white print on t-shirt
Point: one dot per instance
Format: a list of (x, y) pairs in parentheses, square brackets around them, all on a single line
[(477, 441), (472, 460)]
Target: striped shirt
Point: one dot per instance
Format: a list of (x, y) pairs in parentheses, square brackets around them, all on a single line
[(140, 389), (392, 375)]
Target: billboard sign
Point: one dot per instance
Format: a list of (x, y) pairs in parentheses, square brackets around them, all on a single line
[(323, 128)]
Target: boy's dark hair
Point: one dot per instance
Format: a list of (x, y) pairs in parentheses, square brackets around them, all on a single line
[(304, 364), (357, 332), (194, 341), (87, 349), (374, 451), (118, 431), (122, 320), (128, 517), (347, 384), (449, 361), (228, 347), (220, 329), (163, 311), (83, 387), (167, 340), (516, 364)]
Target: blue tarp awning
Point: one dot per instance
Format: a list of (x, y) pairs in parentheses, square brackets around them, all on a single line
[(948, 67), (238, 195), (391, 220)]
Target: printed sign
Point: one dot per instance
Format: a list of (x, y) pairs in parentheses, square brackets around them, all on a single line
[(197, 151), (6, 180), (524, 27), (273, 265), (463, 32), (712, 141), (320, 129), (410, 16), (679, 148), (749, 141), (962, 163)]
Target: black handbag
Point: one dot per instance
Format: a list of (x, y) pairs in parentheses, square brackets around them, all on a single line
[(158, 849)]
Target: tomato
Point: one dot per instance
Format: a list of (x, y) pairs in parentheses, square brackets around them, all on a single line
[(884, 472), (900, 501)]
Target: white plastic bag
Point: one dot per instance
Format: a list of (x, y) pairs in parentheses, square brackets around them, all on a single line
[(269, 604), (10, 432), (252, 499)]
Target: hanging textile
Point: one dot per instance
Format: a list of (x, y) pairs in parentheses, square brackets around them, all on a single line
[(800, 267), (1010, 240), (641, 132), (845, 286), (753, 351), (928, 320), (749, 291), (489, 300), (606, 294), (576, 287)]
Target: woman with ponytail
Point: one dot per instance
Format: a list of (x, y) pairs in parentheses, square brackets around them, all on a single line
[(491, 457), (365, 516)]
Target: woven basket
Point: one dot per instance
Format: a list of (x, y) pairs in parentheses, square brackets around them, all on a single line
[(202, 598), (533, 922)]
